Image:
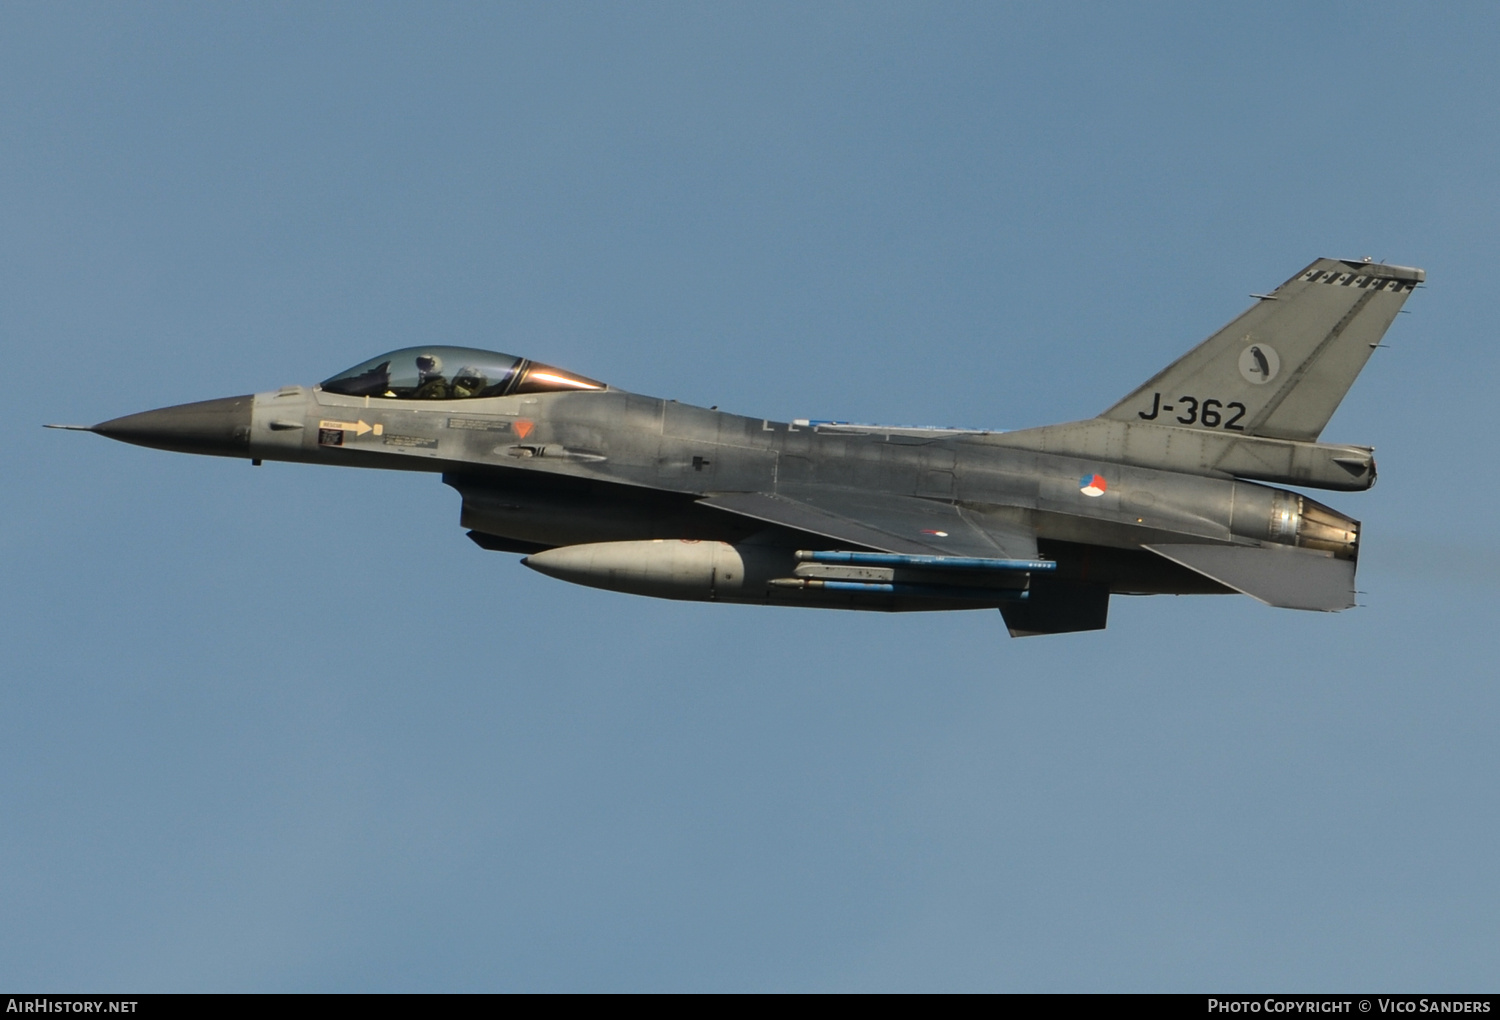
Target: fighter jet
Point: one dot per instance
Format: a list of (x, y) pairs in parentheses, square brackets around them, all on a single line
[(1173, 490)]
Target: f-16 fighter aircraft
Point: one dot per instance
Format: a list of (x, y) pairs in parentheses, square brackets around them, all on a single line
[(1172, 490)]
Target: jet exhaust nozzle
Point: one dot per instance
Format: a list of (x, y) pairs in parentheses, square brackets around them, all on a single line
[(1306, 523)]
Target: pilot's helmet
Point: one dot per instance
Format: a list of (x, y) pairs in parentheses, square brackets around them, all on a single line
[(429, 364), (468, 382)]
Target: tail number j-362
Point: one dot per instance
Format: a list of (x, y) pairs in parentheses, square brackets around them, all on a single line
[(1208, 413)]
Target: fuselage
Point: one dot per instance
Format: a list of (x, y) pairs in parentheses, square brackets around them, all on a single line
[(559, 469)]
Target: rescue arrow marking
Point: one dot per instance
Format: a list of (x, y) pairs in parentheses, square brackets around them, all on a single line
[(359, 428)]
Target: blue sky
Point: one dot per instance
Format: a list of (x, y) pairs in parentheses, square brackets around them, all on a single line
[(288, 729)]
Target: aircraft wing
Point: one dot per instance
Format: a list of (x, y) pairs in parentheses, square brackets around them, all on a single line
[(888, 523)]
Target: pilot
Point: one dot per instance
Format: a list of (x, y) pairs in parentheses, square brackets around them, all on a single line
[(468, 382), (430, 382)]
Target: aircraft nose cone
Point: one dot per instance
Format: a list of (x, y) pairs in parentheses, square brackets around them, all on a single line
[(219, 427)]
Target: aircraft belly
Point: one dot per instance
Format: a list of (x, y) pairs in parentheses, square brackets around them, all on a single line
[(543, 510), (1126, 571)]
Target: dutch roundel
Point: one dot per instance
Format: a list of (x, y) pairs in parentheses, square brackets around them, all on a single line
[(1092, 485)]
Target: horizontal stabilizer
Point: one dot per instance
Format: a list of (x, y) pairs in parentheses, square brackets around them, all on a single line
[(1277, 575)]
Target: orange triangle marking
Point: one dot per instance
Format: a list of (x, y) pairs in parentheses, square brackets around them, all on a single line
[(523, 427)]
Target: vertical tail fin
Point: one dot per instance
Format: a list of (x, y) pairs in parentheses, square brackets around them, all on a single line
[(1280, 369)]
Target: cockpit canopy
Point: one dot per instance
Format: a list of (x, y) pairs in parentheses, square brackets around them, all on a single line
[(452, 373)]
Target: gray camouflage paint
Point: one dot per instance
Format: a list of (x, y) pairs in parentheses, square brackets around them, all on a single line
[(545, 471)]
